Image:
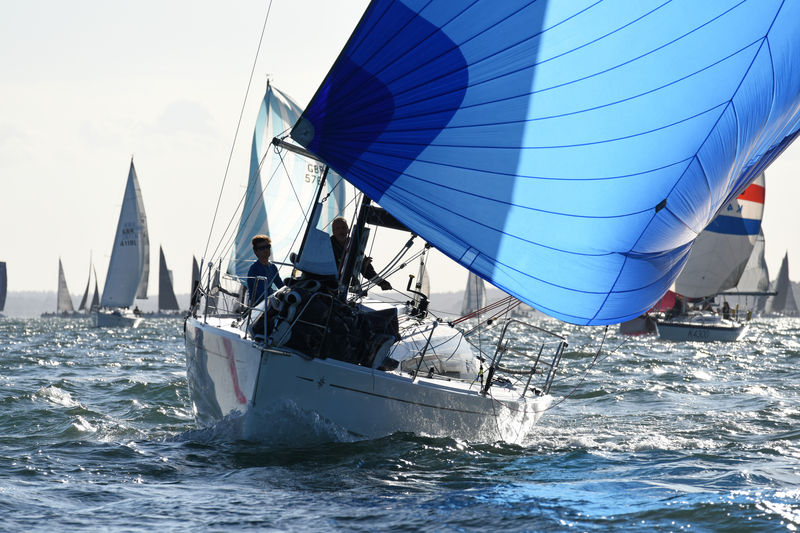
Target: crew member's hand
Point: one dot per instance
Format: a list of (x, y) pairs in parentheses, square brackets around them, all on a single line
[(385, 285)]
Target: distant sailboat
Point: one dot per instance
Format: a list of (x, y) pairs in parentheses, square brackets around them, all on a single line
[(96, 297), (64, 300), (783, 303), (87, 304), (474, 295), (167, 303), (64, 307), (716, 264), (129, 266), (3, 286), (752, 290)]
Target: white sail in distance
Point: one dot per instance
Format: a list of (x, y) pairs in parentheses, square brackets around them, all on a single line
[(63, 299), (474, 295), (129, 267)]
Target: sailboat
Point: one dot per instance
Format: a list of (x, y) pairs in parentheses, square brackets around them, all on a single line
[(751, 293), (567, 154), (718, 260), (64, 307), (3, 286), (90, 301), (129, 266), (167, 302), (783, 302), (474, 295)]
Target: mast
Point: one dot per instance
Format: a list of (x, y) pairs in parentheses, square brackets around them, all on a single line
[(354, 247)]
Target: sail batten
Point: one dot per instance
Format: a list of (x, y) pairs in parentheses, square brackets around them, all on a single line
[(536, 142)]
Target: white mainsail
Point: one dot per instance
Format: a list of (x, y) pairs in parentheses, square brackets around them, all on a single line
[(474, 295), (722, 250), (63, 299), (274, 205), (129, 267), (166, 292)]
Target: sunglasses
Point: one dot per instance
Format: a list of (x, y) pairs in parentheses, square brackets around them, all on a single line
[(262, 247)]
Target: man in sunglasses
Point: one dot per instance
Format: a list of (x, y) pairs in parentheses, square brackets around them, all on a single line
[(262, 268)]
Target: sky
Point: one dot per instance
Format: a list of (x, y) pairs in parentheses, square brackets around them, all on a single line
[(88, 84)]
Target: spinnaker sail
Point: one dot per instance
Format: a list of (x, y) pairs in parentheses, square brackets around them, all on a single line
[(569, 153)]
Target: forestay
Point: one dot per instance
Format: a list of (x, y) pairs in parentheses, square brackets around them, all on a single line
[(276, 204), (567, 152)]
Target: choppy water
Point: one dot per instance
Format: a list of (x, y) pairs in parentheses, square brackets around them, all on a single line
[(96, 433)]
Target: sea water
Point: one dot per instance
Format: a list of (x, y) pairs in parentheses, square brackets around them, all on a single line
[(97, 433)]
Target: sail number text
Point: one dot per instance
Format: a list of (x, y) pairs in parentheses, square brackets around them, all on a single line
[(128, 237), (313, 173)]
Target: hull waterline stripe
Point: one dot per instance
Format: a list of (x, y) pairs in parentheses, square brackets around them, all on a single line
[(376, 395)]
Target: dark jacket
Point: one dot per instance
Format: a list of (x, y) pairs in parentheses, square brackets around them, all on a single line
[(339, 251)]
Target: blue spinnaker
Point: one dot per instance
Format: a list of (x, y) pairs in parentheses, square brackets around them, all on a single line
[(567, 152)]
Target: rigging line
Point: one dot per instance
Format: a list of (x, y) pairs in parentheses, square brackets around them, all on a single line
[(238, 125), (226, 242), (390, 269), (291, 184)]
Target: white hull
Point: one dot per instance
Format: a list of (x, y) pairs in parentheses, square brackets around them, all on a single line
[(115, 319), (272, 387), (701, 329)]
